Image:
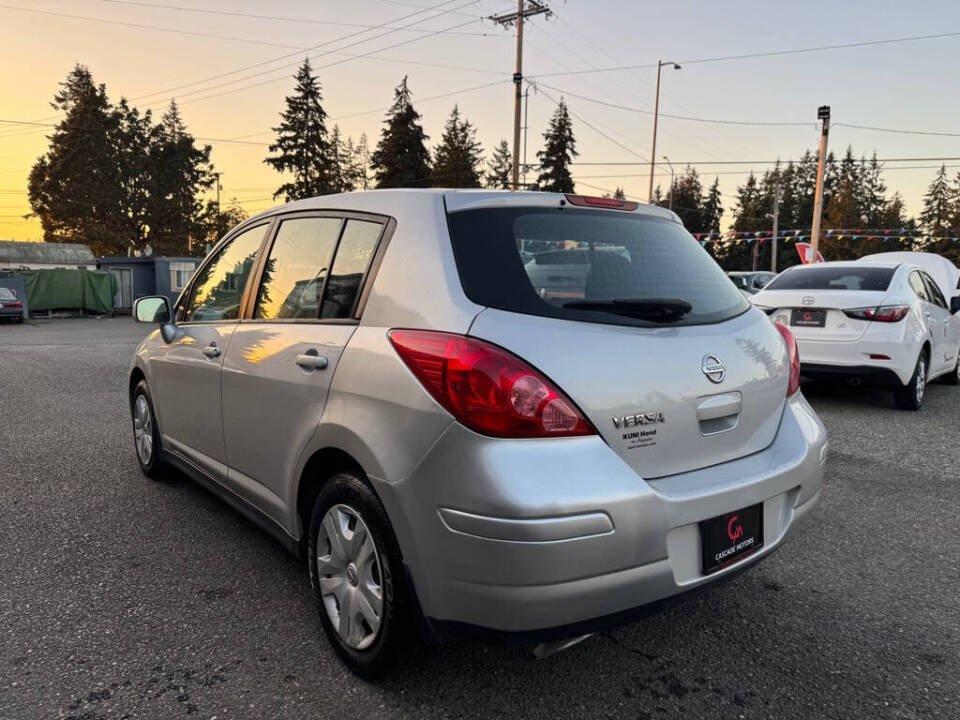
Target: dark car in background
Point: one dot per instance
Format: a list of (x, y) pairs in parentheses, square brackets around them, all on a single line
[(751, 283), (10, 307)]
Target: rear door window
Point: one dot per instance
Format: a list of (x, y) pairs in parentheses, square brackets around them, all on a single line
[(354, 253), (826, 277), (916, 282), (933, 291), (589, 265)]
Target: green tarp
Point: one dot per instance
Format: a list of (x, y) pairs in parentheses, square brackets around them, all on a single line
[(69, 290)]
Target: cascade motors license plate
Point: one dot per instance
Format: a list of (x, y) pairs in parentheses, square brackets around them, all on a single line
[(808, 318), (728, 538)]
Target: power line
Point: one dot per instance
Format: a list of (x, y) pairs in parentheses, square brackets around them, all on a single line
[(278, 18), (676, 117), (321, 67), (289, 55), (748, 56), (156, 28), (594, 128), (894, 130)]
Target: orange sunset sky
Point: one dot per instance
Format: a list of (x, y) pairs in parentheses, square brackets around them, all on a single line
[(151, 52)]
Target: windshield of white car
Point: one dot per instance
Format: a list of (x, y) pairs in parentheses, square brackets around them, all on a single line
[(829, 277)]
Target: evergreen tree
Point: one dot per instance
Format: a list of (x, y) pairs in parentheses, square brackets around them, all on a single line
[(340, 158), (359, 163), (500, 167), (180, 172), (401, 158), (874, 194), (458, 157), (618, 193), (214, 226), (302, 147), (657, 198), (557, 154), (712, 209), (76, 188), (936, 213), (686, 198)]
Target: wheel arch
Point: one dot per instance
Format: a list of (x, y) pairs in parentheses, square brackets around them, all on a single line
[(136, 375), (322, 465)]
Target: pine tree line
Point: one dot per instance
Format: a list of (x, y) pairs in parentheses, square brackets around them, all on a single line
[(316, 161), (119, 182)]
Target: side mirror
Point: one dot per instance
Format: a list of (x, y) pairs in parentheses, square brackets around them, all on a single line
[(955, 304), (152, 309)]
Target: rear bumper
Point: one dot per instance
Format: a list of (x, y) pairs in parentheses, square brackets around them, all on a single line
[(867, 373), (864, 357), (547, 536)]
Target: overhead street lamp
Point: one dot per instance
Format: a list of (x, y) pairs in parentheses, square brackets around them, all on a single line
[(656, 112), (670, 203)]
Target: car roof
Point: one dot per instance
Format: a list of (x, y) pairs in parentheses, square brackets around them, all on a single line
[(390, 201), (847, 263)]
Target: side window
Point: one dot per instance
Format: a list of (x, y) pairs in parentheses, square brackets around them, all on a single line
[(294, 273), (218, 290), (916, 282), (350, 265), (936, 297)]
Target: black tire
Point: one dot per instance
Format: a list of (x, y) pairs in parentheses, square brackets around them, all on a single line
[(397, 640), (154, 468), (910, 396)]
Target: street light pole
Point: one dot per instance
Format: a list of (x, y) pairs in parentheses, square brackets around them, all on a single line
[(775, 216), (656, 115), (670, 203)]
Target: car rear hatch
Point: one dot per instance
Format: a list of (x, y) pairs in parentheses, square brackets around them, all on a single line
[(818, 314), (811, 299), (669, 395)]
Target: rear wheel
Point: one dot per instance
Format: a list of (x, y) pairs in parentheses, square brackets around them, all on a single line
[(146, 433), (356, 570), (910, 396)]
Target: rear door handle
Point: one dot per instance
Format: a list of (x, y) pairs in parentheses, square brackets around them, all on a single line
[(211, 350), (309, 361)]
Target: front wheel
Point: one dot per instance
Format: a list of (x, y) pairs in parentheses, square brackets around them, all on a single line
[(910, 396), (356, 570), (146, 434)]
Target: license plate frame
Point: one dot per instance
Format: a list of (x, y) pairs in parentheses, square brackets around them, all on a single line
[(729, 538), (803, 317)]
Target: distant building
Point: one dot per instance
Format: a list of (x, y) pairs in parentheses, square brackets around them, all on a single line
[(141, 276), (45, 256)]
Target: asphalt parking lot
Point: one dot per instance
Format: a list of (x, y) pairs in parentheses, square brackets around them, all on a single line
[(124, 598)]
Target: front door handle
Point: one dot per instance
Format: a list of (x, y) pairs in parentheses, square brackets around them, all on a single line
[(211, 350), (310, 361)]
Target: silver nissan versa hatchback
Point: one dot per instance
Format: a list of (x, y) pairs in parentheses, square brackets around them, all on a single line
[(520, 416)]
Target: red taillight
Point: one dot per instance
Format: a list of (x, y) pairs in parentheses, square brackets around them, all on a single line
[(13, 304), (793, 384), (603, 202), (486, 388), (884, 313)]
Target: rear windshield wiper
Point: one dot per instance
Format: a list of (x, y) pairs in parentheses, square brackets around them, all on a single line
[(654, 309)]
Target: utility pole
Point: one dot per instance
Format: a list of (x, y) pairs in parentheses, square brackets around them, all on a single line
[(823, 113), (525, 9), (656, 114), (775, 216), (526, 126)]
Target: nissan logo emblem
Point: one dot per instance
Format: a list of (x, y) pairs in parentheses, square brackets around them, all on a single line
[(808, 300), (713, 368)]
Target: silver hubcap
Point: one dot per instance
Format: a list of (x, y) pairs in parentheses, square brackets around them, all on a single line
[(348, 570), (921, 378), (143, 429)]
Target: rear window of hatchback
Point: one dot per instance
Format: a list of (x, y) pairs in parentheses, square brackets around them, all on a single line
[(536, 260)]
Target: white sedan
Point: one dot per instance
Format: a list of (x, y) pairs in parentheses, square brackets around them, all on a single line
[(883, 322)]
